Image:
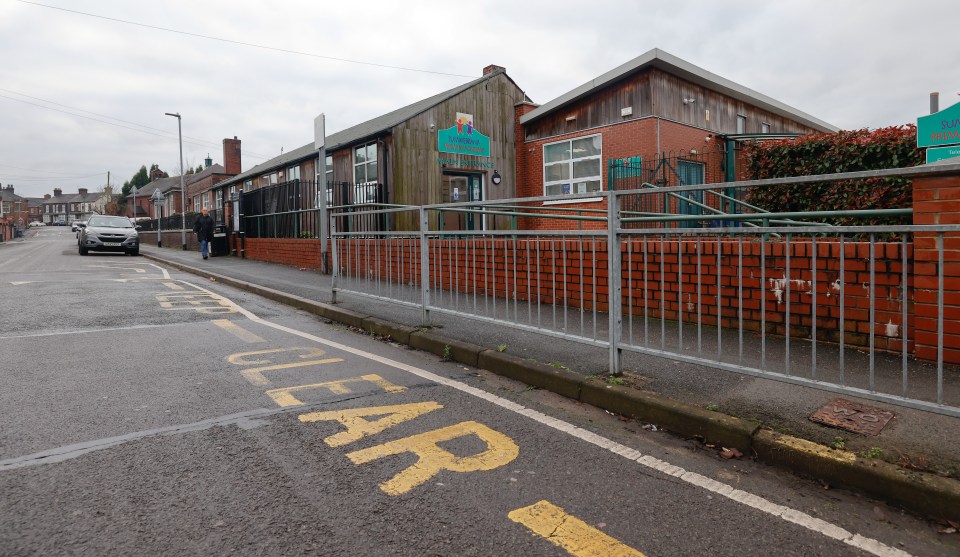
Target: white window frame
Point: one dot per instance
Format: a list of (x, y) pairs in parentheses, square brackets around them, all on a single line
[(375, 162), (764, 127), (570, 180), (328, 178), (741, 123), (293, 173)]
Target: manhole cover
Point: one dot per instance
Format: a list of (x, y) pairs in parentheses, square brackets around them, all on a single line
[(852, 416)]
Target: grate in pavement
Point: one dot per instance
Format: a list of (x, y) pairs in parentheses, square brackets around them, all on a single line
[(853, 416)]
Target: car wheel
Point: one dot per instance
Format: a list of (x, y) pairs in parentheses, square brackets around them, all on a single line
[(134, 252), (83, 250)]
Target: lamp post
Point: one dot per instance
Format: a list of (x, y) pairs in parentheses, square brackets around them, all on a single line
[(183, 195)]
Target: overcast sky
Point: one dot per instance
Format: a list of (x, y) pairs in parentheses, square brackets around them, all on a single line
[(84, 84)]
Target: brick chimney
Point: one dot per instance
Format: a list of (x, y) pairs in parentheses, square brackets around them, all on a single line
[(46, 196), (493, 68), (82, 191), (231, 156), (156, 174), (57, 192)]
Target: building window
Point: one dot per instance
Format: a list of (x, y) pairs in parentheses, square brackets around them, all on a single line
[(247, 185), (328, 179), (219, 203), (293, 173), (764, 128), (365, 163), (741, 123), (572, 166), (196, 204), (205, 197)]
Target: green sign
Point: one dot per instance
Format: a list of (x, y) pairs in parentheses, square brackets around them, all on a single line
[(463, 139), (940, 128), (941, 153)]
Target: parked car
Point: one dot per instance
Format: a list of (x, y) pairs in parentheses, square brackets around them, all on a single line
[(108, 233), (35, 224), (77, 226)]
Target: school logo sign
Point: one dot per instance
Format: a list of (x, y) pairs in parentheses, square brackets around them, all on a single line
[(940, 129), (462, 138)]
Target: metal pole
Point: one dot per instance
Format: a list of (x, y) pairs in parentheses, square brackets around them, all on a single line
[(159, 224), (183, 193)]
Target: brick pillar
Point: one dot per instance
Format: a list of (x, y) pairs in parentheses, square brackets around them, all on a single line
[(936, 200), (231, 156)]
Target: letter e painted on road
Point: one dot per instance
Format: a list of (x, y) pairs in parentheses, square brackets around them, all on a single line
[(283, 396), (500, 450), (358, 427)]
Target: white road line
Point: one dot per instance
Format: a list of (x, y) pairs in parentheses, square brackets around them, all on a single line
[(794, 516)]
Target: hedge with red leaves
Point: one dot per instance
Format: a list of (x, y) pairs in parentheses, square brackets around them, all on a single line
[(828, 153)]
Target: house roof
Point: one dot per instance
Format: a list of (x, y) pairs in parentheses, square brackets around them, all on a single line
[(362, 131), (208, 171), (669, 63), (162, 184)]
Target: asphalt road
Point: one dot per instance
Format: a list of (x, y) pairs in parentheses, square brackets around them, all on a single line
[(147, 412)]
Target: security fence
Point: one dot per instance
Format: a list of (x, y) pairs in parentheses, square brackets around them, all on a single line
[(290, 209), (850, 309)]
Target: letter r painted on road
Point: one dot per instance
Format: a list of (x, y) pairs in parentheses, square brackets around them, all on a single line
[(284, 395), (501, 450)]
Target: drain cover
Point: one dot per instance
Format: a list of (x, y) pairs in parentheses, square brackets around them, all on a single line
[(852, 416)]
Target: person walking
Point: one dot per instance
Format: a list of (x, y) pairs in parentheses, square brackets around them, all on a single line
[(204, 229)]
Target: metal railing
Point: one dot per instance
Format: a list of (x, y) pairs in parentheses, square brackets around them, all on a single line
[(848, 309), (290, 209)]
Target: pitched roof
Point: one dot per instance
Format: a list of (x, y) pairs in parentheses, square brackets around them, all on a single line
[(361, 131), (208, 171), (669, 63), (162, 184)]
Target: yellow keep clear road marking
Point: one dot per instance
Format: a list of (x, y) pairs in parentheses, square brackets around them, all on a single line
[(569, 532), (237, 331), (173, 286), (432, 459), (358, 427), (255, 375), (284, 395)]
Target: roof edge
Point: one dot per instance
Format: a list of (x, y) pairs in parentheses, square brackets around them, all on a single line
[(657, 58)]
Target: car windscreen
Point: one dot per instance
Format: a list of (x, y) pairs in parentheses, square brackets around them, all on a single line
[(109, 223)]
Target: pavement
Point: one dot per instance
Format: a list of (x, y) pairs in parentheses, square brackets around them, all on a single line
[(914, 463)]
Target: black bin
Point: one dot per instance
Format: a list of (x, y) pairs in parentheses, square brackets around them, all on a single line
[(219, 246)]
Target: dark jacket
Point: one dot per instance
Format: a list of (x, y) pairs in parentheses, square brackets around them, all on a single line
[(204, 228)]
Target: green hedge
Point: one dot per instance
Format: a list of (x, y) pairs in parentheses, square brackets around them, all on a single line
[(829, 153)]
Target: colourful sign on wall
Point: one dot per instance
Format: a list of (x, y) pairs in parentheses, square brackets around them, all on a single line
[(939, 128), (463, 138), (943, 153)]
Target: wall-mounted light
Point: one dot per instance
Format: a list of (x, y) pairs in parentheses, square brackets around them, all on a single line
[(571, 118), (689, 101), (496, 178)]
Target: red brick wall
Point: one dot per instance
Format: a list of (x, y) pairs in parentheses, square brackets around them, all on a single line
[(574, 273), (300, 253), (628, 139), (937, 201)]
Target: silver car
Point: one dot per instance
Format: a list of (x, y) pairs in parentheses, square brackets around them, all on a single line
[(107, 233)]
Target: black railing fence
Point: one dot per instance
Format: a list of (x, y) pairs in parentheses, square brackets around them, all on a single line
[(291, 209)]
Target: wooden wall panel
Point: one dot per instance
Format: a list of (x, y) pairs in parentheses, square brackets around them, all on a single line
[(653, 92)]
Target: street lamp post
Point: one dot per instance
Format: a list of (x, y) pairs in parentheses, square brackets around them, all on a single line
[(183, 195)]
